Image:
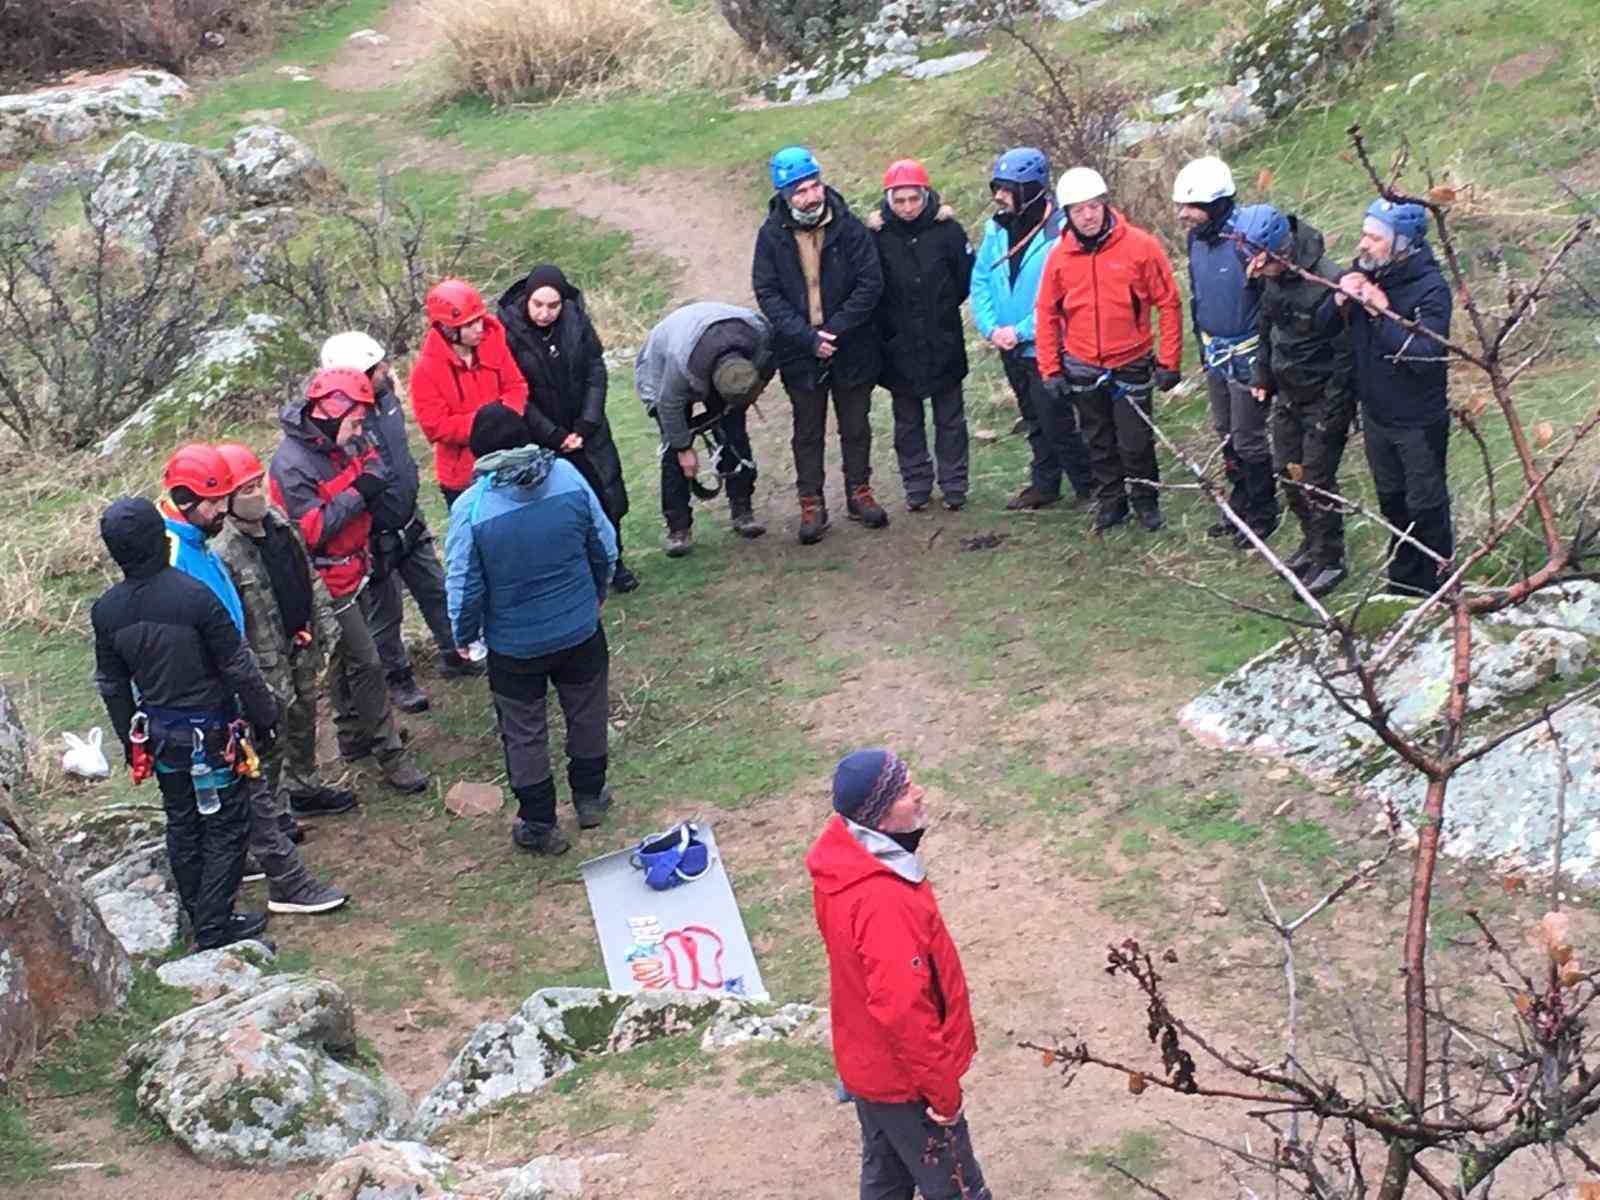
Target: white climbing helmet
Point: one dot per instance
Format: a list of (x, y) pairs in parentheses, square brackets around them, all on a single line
[(1202, 181), (1079, 184), (353, 349)]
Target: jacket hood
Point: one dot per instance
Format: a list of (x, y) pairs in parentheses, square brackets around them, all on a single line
[(924, 219), (522, 466), (513, 304), (778, 208), (1417, 263), (847, 853), (136, 536), (1308, 242), (1119, 230), (297, 425)]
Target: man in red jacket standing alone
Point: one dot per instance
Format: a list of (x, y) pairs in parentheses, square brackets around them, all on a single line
[(464, 364), (902, 1024)]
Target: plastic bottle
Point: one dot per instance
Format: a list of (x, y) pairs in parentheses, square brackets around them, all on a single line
[(206, 796), (477, 651)]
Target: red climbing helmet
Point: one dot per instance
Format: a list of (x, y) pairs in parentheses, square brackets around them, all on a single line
[(454, 303), (334, 391), (242, 463), (906, 172), (200, 468)]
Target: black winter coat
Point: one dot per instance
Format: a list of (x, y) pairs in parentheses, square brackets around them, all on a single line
[(1295, 352), (927, 273), (166, 632), (1400, 376), (567, 379), (852, 283), (396, 504)]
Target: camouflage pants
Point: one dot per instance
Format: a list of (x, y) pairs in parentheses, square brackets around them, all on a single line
[(1309, 428), (292, 764)]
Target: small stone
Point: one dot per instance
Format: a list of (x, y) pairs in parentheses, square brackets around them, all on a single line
[(1215, 907), (473, 799), (985, 435), (1279, 775)]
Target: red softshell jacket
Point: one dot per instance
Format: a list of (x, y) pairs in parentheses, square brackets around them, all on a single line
[(902, 1020), (1097, 305), (446, 393)]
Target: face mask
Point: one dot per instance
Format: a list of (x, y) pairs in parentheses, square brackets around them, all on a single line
[(250, 509), (809, 219), (909, 840)]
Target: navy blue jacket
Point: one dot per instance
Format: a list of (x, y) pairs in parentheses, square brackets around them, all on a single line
[(393, 507), (1222, 302), (1401, 377)]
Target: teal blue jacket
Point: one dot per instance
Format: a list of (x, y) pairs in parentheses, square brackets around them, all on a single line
[(996, 300), (187, 550)]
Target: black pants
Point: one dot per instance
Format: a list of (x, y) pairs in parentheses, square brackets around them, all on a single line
[(1310, 426), (1122, 448), (949, 445), (206, 853), (520, 688), (1408, 473), (903, 1153), (1056, 448), (851, 408), (737, 459)]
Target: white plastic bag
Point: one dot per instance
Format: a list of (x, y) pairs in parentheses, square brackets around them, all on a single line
[(84, 757)]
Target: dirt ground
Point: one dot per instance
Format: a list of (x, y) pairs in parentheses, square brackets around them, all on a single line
[(415, 29)]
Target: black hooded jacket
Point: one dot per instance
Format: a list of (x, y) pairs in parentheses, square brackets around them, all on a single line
[(852, 283), (166, 633), (1295, 351), (565, 368), (927, 273)]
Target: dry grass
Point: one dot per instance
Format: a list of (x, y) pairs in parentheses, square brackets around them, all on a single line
[(510, 51)]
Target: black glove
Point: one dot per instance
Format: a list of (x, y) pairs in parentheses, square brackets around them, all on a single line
[(1167, 380), (1055, 389), (370, 486), (263, 739)]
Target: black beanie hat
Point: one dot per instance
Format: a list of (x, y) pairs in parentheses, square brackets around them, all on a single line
[(496, 427)]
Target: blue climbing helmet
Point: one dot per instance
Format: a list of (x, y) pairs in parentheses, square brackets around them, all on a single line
[(1260, 227), (1410, 221), (792, 164), (1021, 164), (672, 857)]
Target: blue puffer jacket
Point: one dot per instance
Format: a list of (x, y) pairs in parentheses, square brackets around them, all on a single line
[(996, 300), (529, 555), (187, 550)]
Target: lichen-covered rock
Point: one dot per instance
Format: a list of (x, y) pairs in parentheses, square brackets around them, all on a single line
[(13, 744), (1223, 116), (737, 1024), (399, 1170), (1293, 45), (650, 1016), (265, 165), (253, 358), (59, 116), (212, 973), (546, 1178), (260, 1078), (151, 193), (143, 918), (59, 964), (98, 838)]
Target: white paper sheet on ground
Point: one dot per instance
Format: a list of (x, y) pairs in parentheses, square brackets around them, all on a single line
[(690, 938)]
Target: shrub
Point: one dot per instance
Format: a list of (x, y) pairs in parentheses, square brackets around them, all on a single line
[(535, 50), (795, 28)]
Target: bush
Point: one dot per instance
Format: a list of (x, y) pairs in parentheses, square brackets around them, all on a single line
[(536, 50), (795, 28)]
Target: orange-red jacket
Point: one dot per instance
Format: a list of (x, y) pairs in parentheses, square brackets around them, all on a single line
[(1096, 306), (446, 393), (902, 1020)]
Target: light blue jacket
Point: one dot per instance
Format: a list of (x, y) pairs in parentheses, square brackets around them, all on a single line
[(187, 550), (996, 301), (528, 557)]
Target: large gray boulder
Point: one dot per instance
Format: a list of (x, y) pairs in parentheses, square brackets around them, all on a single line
[(59, 964), (262, 1077), (151, 193), (90, 841), (58, 116), (136, 893), (212, 973), (265, 165), (13, 744), (396, 1170), (546, 1178)]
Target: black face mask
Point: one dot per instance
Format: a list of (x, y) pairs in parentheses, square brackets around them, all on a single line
[(907, 841)]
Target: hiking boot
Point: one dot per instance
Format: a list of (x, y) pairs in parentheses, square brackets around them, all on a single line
[(241, 927), (324, 802), (813, 520), (1321, 580), (1150, 519), (1030, 498), (955, 503), (405, 695), (1263, 530), (403, 775), (1110, 514), (592, 809), (678, 542), (354, 749), (1222, 529), (1300, 559), (916, 503), (624, 580), (745, 523), (863, 506), (308, 896), (538, 839), (453, 666), (252, 869)]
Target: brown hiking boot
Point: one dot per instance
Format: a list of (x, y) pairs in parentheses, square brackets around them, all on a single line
[(1030, 498), (678, 542), (403, 775), (813, 520), (863, 506)]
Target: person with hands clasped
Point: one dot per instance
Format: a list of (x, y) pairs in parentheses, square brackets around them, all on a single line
[(901, 1016)]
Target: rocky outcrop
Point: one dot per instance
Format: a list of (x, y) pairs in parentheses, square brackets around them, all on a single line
[(545, 1178), (152, 193), (739, 1024), (397, 1170), (119, 855), (59, 964), (212, 973), (13, 744), (1223, 116), (90, 841), (1296, 44), (265, 1076), (58, 116), (265, 165)]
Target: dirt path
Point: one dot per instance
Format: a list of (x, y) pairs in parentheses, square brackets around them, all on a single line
[(415, 36)]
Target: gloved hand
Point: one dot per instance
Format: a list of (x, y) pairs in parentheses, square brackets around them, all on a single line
[(370, 486), (263, 739), (1167, 380), (585, 429), (1055, 389)]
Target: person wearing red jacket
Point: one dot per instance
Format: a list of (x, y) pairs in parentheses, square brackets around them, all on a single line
[(1096, 351), (902, 1020), (465, 363)]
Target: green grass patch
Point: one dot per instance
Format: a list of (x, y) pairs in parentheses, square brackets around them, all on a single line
[(90, 1060), (1141, 1152), (23, 1159), (770, 1067)]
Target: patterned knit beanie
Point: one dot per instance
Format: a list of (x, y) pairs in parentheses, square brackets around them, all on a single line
[(866, 783)]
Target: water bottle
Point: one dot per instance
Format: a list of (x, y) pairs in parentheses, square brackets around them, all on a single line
[(477, 651), (206, 796)]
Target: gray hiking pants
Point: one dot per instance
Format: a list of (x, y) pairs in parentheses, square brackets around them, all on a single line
[(949, 445), (356, 684), (519, 688), (423, 574), (269, 837), (904, 1154)]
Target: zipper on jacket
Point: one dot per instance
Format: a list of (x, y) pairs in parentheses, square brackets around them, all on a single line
[(1094, 287)]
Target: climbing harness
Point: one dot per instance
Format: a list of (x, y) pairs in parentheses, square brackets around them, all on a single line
[(1118, 388), (1233, 357), (724, 460), (673, 857)]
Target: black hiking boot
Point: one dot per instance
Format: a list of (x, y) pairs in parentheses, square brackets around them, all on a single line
[(624, 580), (592, 809), (678, 542), (1110, 514), (1323, 579), (405, 695), (744, 520), (241, 927), (1030, 498), (324, 802), (1150, 519), (538, 839)]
